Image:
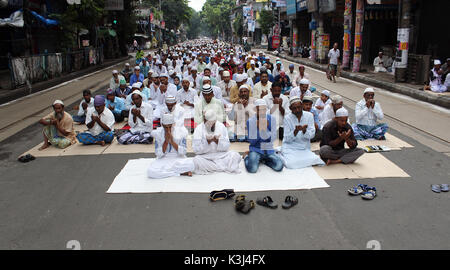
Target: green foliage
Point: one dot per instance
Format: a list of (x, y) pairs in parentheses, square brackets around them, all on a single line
[(238, 25), (175, 12), (216, 14), (266, 21)]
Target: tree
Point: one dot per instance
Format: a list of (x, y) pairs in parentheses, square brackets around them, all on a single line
[(216, 14), (238, 25), (266, 21)]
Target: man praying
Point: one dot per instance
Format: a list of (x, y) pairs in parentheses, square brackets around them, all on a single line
[(58, 128)]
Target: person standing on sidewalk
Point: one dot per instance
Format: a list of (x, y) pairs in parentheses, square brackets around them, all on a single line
[(333, 56)]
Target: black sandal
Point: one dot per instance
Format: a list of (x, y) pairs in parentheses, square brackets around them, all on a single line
[(267, 202), (242, 205), (221, 194), (289, 202), (26, 158)]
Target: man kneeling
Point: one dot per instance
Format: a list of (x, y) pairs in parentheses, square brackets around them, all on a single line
[(58, 128), (335, 134), (100, 121), (170, 150), (140, 120), (211, 144)]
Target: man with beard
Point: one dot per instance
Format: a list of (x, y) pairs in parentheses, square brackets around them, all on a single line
[(330, 110), (301, 90), (226, 84), (140, 121), (262, 88), (100, 122), (209, 102), (210, 144), (299, 129), (241, 111), (115, 80), (58, 128), (278, 104)]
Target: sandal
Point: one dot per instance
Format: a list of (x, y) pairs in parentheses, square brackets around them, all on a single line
[(267, 202), (243, 206), (370, 193), (357, 190), (436, 188), (289, 202), (221, 195), (26, 158), (444, 187)]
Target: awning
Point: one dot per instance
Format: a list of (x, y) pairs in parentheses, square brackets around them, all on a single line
[(15, 20)]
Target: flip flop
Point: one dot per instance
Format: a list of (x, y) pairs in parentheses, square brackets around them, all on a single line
[(369, 194), (221, 194), (444, 187), (436, 188), (26, 158), (267, 202), (289, 202), (357, 190)]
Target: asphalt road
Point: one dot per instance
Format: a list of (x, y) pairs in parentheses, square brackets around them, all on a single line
[(50, 201)]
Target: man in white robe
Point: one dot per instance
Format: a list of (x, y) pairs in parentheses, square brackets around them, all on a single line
[(301, 90), (170, 150), (175, 109), (211, 144), (299, 129), (329, 113)]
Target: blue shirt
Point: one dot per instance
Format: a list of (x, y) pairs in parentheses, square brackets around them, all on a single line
[(126, 92), (316, 116), (134, 79), (262, 141), (118, 105)]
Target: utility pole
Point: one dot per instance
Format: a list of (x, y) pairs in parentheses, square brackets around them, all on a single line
[(358, 35), (347, 34), (401, 61)]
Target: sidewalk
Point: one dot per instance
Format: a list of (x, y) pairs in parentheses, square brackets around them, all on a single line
[(380, 80), (12, 94)]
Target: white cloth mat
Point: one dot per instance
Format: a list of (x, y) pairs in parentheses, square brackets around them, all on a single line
[(133, 179)]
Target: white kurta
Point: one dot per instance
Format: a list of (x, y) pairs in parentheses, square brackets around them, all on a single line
[(296, 150), (172, 162), (214, 157), (178, 113), (319, 102), (275, 111), (106, 117), (327, 114), (139, 126), (297, 92), (366, 116)]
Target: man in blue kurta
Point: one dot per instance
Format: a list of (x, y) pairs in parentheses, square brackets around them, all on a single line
[(262, 132), (115, 104), (299, 129)]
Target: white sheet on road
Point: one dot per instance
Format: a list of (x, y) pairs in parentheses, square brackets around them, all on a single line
[(133, 179)]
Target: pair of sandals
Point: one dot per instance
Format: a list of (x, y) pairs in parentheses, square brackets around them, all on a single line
[(26, 158), (440, 188), (267, 201), (366, 192), (242, 205)]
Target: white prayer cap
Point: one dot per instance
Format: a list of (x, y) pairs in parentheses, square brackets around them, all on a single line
[(294, 99), (207, 89), (136, 92), (244, 86), (369, 90), (158, 62), (245, 76), (115, 72), (136, 85), (58, 102), (206, 78), (260, 102), (222, 61), (437, 62), (137, 68), (342, 112), (167, 119), (304, 81), (127, 64), (226, 73), (257, 70), (240, 77), (139, 84), (164, 75), (252, 62), (326, 93), (155, 75), (210, 115), (171, 99), (194, 68), (171, 72), (336, 99)]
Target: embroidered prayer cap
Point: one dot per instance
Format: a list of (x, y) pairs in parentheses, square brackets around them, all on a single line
[(342, 112), (155, 75), (226, 73), (207, 89), (294, 99), (171, 99), (206, 78), (136, 85), (240, 77), (244, 86), (307, 99)]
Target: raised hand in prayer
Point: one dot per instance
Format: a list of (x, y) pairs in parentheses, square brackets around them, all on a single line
[(263, 93), (95, 118), (111, 107), (304, 128), (369, 103), (319, 107), (84, 105)]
